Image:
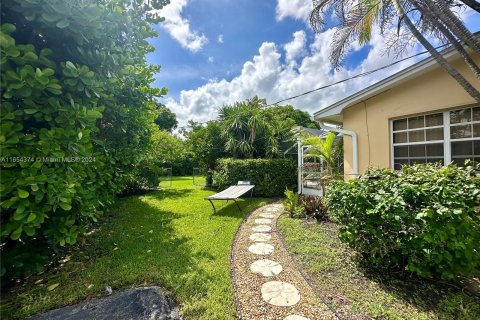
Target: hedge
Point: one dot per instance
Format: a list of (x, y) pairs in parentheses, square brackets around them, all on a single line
[(76, 119), (270, 176), (424, 218)]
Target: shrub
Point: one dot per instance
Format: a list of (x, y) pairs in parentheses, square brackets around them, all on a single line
[(314, 207), (270, 176), (76, 118), (423, 218), (290, 203)]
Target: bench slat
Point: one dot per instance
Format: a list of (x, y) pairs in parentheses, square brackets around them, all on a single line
[(231, 193)]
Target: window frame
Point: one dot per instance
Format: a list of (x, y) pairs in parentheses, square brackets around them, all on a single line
[(447, 140)]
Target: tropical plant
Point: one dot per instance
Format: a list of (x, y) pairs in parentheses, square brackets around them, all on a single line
[(422, 18), (76, 117), (290, 203), (241, 124), (325, 149)]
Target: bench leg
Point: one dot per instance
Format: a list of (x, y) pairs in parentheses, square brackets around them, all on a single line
[(212, 205), (237, 205)]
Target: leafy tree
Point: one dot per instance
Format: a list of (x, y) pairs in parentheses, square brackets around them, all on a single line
[(207, 145), (76, 117), (166, 119), (422, 19), (241, 124)]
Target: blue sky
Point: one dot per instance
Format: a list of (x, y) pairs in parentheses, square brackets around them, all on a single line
[(217, 52)]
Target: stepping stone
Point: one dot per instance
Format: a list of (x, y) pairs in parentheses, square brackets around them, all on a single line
[(270, 209), (260, 237), (262, 228), (261, 248), (267, 215), (263, 221), (295, 317), (280, 294), (266, 268)]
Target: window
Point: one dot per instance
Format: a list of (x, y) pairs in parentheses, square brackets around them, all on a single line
[(439, 137), (465, 135)]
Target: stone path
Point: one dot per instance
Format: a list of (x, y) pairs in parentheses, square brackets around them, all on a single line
[(268, 284)]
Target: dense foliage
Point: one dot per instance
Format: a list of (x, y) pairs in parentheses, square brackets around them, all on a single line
[(270, 176), (424, 218), (250, 129), (166, 119), (76, 118)]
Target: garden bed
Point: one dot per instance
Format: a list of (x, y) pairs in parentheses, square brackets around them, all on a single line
[(356, 291)]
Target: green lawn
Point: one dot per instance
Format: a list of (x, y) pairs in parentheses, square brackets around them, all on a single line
[(169, 238), (357, 292)]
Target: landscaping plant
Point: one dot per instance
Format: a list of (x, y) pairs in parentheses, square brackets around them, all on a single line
[(76, 118), (314, 207), (423, 218), (270, 176)]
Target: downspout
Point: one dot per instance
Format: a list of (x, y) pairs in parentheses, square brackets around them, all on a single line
[(300, 165), (354, 143)]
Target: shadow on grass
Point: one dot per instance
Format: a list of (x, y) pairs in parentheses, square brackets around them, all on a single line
[(137, 245), (426, 294), (230, 209), (445, 299)]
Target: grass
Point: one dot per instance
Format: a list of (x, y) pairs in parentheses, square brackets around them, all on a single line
[(169, 238), (357, 292)]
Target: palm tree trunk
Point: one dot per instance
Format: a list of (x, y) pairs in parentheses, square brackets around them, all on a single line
[(430, 14), (443, 12), (437, 56), (472, 4)]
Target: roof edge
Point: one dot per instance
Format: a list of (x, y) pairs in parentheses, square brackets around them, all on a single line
[(382, 85)]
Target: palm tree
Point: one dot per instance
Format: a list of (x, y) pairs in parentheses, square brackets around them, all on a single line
[(323, 149), (357, 18), (242, 122)]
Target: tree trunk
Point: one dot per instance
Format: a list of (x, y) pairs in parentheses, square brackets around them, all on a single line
[(437, 56), (443, 12), (450, 37), (472, 4)]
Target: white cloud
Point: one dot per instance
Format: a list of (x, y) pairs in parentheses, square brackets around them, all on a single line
[(179, 27), (220, 38), (296, 48), (211, 60), (267, 76), (297, 9)]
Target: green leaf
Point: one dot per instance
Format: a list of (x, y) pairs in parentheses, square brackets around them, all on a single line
[(16, 234), (30, 111), (8, 28), (31, 217), (65, 206), (23, 194), (62, 24), (53, 286), (34, 187)]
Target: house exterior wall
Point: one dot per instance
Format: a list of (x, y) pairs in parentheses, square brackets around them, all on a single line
[(432, 91)]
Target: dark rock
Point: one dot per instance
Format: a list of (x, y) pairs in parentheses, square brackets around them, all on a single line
[(140, 303)]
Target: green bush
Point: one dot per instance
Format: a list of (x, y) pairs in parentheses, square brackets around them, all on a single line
[(76, 118), (423, 218), (270, 176)]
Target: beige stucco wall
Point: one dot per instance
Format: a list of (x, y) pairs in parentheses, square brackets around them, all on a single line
[(431, 91)]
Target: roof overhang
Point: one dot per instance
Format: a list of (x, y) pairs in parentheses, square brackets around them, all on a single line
[(333, 113)]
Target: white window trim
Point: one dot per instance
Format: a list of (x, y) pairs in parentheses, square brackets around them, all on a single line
[(447, 152)]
